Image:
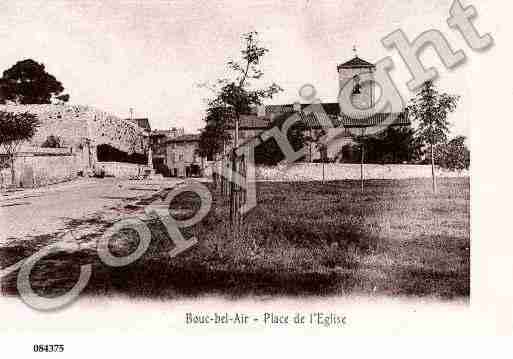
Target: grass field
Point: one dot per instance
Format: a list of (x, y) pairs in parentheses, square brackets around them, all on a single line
[(302, 239)]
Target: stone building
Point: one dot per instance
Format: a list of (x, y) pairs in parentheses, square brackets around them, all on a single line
[(182, 158), (158, 143), (80, 130)]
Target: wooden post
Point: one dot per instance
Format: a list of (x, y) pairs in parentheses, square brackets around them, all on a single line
[(361, 165), (227, 167), (221, 168), (234, 196), (433, 168)]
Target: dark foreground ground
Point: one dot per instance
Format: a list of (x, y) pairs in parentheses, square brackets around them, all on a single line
[(301, 239)]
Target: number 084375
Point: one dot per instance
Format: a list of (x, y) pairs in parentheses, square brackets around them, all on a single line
[(48, 348)]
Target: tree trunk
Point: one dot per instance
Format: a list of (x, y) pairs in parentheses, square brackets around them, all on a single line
[(433, 168), (361, 165)]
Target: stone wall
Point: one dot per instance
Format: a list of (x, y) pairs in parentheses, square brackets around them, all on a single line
[(122, 170), (340, 171), (74, 124), (40, 168), (80, 129)]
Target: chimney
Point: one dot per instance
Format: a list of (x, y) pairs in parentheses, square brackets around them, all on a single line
[(261, 110), (297, 106)]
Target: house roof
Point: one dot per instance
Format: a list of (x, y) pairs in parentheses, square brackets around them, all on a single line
[(355, 62), (382, 118), (141, 122), (331, 108), (185, 138), (324, 115), (318, 120)]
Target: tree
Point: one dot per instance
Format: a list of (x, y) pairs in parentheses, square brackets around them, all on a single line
[(394, 145), (215, 134), (27, 82), (15, 128), (453, 155), (430, 109), (236, 95), (269, 153)]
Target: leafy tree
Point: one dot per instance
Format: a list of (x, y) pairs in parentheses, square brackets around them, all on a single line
[(453, 155), (430, 109), (394, 145), (27, 82), (215, 134), (269, 153), (236, 95), (15, 128)]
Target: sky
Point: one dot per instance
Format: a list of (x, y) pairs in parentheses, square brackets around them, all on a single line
[(152, 55)]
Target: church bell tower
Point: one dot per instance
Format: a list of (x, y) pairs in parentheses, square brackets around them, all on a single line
[(350, 74)]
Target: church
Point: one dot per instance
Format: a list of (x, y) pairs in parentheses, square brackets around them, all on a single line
[(328, 117)]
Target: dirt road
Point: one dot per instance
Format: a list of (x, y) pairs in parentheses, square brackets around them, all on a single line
[(45, 211)]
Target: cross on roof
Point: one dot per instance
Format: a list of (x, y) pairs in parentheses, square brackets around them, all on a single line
[(354, 50)]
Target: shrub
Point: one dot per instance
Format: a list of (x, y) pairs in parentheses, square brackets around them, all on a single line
[(452, 155)]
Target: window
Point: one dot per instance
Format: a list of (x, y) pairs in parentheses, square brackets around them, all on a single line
[(356, 81)]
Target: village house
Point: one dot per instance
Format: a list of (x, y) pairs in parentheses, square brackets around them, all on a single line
[(182, 157), (158, 144)]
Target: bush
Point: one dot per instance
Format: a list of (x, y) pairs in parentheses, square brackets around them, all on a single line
[(269, 152), (453, 155)]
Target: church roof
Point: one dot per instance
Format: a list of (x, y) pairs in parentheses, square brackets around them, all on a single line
[(316, 116), (355, 62)]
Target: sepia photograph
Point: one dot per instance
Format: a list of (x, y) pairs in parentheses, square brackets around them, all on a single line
[(241, 166)]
